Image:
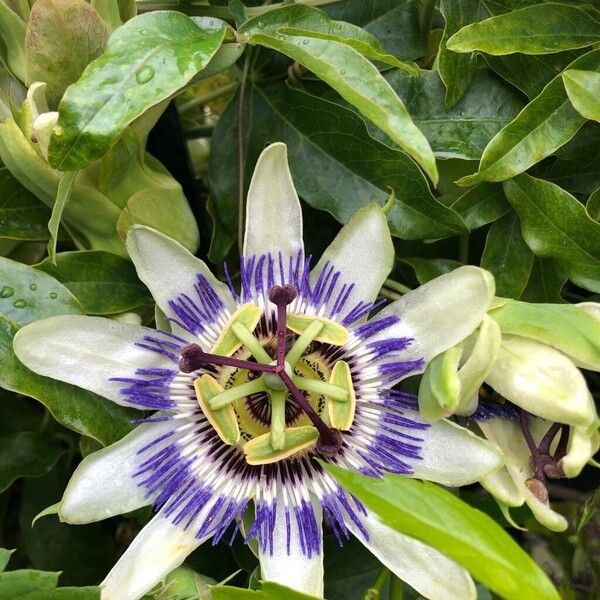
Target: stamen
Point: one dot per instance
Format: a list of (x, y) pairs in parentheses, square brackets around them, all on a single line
[(330, 440), (315, 386), (236, 393), (282, 296), (194, 358)]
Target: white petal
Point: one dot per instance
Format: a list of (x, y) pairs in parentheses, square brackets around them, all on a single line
[(87, 352), (541, 380), (583, 444), (168, 269), (432, 574), (363, 253), (103, 484), (294, 569), (508, 435), (442, 312), (273, 214), (156, 551), (453, 455), (501, 485)]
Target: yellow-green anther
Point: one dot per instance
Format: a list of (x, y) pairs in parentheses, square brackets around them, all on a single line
[(315, 386), (227, 397), (303, 342), (341, 413), (259, 451), (224, 421), (228, 342), (331, 333), (278, 418), (251, 343)]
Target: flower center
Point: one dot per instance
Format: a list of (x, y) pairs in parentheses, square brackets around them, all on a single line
[(281, 379)]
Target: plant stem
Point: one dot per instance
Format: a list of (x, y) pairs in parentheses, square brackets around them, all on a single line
[(202, 100), (396, 588), (374, 592), (396, 286), (463, 249), (241, 157)]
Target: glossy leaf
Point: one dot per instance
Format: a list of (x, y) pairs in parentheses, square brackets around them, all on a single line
[(268, 591), (62, 37), (482, 204), (145, 61), (435, 516), (352, 75), (75, 408), (26, 454), (507, 256), (27, 295), (395, 23), (545, 124), (544, 28), (456, 70), (329, 173), (555, 225), (578, 175), (65, 188), (531, 73), (567, 328), (583, 89), (464, 130), (427, 269), (592, 206), (22, 215), (103, 283), (545, 282)]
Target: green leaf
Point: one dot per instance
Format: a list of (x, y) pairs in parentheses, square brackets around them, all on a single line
[(103, 283), (145, 61), (555, 225), (329, 173), (12, 33), (543, 28), (28, 584), (28, 295), (62, 37), (269, 591), (545, 282), (482, 204), (427, 269), (580, 175), (568, 328), (545, 124), (395, 23), (349, 73), (436, 517), (22, 215), (75, 408), (26, 454), (456, 70), (531, 73), (464, 130), (63, 195), (507, 256), (583, 89), (592, 206)]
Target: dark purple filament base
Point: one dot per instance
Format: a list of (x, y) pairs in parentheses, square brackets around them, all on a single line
[(194, 358), (543, 463)]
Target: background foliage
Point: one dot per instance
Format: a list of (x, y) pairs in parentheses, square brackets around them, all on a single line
[(475, 122)]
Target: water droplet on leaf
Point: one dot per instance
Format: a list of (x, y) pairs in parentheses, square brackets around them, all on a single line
[(305, 42), (53, 295), (145, 74), (6, 292), (33, 287), (20, 303)]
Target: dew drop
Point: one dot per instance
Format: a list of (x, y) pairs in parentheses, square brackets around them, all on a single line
[(6, 292), (211, 23), (145, 32), (342, 72), (145, 74), (305, 42), (53, 295), (33, 287), (20, 303)]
